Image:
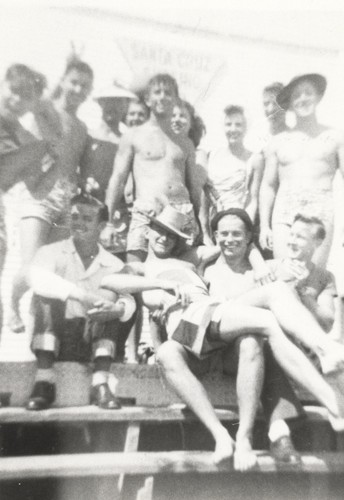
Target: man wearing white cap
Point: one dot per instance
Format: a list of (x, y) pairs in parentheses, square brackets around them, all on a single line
[(99, 156), (300, 169)]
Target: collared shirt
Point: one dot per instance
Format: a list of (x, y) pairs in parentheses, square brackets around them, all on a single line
[(58, 268)]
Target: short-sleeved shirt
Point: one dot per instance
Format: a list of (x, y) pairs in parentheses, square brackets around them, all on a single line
[(319, 280), (62, 259)]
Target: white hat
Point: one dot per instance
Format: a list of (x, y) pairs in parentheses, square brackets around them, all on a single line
[(114, 91)]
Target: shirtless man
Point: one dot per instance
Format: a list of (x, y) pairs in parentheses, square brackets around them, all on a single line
[(163, 168), (197, 325), (45, 216), (234, 173), (300, 169)]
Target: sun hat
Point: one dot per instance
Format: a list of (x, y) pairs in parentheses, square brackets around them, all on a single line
[(319, 82), (172, 220)]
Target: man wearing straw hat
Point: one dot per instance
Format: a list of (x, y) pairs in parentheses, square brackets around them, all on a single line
[(300, 169)]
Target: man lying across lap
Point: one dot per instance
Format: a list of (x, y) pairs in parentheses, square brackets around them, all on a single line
[(198, 325)]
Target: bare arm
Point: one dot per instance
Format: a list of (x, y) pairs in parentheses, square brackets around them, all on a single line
[(267, 197), (125, 283), (193, 178), (204, 218), (323, 306), (122, 167), (254, 185)]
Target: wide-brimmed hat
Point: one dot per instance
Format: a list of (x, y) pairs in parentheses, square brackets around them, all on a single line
[(171, 220), (114, 91), (319, 82)]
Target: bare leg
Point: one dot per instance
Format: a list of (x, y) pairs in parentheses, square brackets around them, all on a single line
[(173, 359), (34, 233), (295, 319), (280, 235), (244, 320), (249, 385)]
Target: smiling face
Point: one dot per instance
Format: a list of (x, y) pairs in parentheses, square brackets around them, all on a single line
[(232, 237), (181, 120), (161, 99), (85, 225), (235, 128), (302, 241), (304, 99), (162, 241), (75, 87), (17, 97), (136, 114)]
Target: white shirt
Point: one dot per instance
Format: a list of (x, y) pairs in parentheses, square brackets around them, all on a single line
[(57, 269)]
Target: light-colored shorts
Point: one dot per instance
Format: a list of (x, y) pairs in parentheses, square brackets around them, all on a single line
[(310, 203), (55, 208), (139, 225)]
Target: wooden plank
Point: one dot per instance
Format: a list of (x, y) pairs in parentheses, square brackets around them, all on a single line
[(148, 463), (90, 414), (141, 382), (131, 445)]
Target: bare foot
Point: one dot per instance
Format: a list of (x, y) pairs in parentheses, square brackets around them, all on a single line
[(332, 360), (244, 456), (224, 447)]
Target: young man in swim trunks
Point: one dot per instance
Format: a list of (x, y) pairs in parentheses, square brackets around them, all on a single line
[(198, 325), (163, 168), (45, 216), (234, 173), (23, 157), (300, 169)]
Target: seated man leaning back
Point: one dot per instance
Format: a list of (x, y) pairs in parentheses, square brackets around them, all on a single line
[(72, 315), (198, 325)]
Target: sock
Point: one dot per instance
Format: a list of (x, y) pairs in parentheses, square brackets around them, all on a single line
[(278, 429), (45, 375), (112, 381), (100, 377)]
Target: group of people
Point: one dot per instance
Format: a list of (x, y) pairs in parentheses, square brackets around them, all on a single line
[(141, 213)]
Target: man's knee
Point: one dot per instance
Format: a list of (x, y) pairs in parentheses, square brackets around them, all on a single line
[(250, 348), (169, 354), (278, 289)]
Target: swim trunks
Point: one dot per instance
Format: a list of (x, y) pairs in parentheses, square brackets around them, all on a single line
[(314, 203)]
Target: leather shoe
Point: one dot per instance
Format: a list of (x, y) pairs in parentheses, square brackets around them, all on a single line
[(42, 396), (283, 451), (102, 396)]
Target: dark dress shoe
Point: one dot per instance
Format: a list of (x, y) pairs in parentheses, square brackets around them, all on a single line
[(42, 396), (102, 396), (283, 451)]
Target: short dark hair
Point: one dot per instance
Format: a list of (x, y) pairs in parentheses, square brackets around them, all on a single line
[(233, 109), (27, 76), (87, 199), (320, 232), (274, 87), (164, 78), (197, 127), (78, 65), (238, 212)]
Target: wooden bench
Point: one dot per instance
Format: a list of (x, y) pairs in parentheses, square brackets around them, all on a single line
[(131, 470)]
